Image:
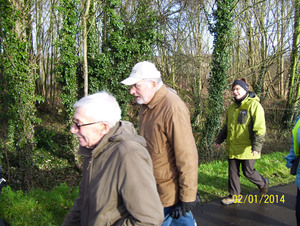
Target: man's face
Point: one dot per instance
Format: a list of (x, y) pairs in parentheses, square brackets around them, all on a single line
[(90, 135), (143, 91)]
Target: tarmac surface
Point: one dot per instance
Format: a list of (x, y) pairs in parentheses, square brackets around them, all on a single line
[(276, 208)]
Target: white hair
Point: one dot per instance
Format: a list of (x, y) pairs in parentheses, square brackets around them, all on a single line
[(101, 106), (158, 81)]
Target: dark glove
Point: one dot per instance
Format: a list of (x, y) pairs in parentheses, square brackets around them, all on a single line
[(187, 207), (176, 212), (182, 208)]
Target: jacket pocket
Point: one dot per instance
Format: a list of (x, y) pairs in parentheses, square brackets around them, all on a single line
[(166, 180), (155, 142), (163, 175), (243, 116)]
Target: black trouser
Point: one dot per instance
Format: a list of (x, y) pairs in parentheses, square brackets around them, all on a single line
[(234, 186), (298, 207)]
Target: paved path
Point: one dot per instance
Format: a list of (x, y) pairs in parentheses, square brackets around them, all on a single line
[(271, 211)]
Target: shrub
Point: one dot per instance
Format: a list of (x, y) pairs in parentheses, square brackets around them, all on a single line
[(37, 207)]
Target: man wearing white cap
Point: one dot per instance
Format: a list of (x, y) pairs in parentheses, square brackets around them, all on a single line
[(165, 124)]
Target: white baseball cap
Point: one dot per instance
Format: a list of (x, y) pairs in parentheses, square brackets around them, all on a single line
[(141, 70)]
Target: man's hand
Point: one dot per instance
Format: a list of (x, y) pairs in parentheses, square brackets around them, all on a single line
[(187, 207), (255, 152), (176, 212), (182, 208), (218, 145)]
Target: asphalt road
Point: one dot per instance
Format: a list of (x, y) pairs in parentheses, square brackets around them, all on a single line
[(277, 208)]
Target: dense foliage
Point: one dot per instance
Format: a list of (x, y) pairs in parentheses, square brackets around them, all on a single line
[(67, 67), (221, 28), (18, 111), (126, 43)]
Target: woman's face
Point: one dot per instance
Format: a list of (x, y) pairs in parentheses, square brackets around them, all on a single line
[(238, 92)]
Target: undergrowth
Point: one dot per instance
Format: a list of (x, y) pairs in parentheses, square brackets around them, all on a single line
[(37, 207)]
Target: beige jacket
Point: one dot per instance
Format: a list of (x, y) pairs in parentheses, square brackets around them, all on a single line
[(117, 186), (165, 124)]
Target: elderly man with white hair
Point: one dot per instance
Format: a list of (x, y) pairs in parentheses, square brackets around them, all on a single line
[(117, 186)]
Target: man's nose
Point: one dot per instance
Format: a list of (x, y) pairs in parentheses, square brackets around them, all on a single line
[(74, 128), (132, 90)]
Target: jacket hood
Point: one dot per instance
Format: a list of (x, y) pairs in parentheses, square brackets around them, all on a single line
[(126, 131), (122, 131), (252, 96)]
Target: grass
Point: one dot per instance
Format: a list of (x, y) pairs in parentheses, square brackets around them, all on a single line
[(39, 207)]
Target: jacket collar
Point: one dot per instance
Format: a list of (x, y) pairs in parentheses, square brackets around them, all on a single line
[(248, 96), (158, 96)]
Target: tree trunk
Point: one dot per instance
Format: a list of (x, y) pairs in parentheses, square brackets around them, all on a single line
[(293, 91), (85, 45)]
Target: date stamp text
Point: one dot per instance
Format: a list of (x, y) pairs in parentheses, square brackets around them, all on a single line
[(242, 199)]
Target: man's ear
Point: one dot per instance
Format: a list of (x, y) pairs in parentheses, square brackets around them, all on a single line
[(153, 86), (105, 129)]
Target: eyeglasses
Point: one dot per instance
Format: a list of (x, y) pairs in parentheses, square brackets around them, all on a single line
[(137, 86), (87, 124)]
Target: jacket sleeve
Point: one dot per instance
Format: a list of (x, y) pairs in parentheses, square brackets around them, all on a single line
[(259, 127), (180, 136), (137, 187), (291, 156), (222, 134), (73, 218)]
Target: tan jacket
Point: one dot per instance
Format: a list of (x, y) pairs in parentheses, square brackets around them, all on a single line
[(165, 124), (117, 186)]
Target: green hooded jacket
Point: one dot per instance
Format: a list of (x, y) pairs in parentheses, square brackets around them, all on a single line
[(244, 129)]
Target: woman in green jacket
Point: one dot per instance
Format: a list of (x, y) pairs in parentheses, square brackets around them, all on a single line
[(244, 130)]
